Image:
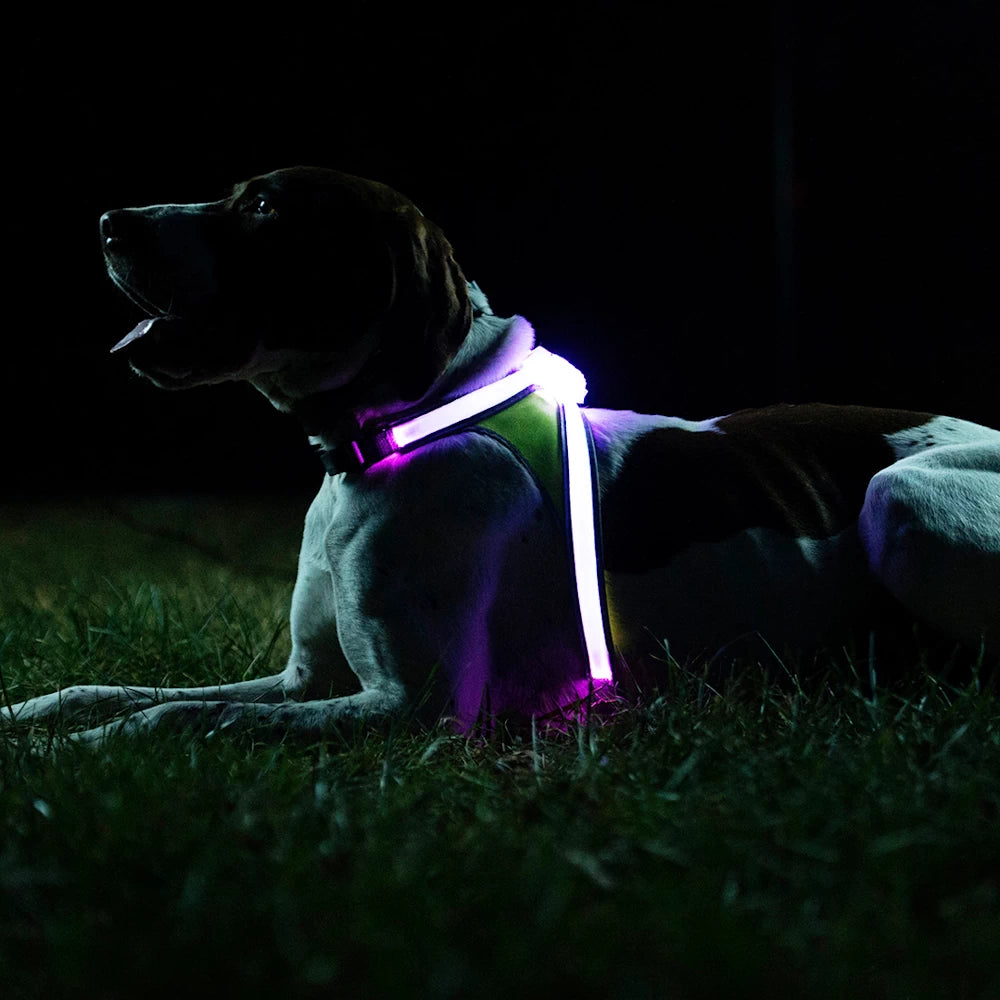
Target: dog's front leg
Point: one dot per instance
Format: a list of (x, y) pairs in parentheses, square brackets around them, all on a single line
[(95, 702), (304, 720)]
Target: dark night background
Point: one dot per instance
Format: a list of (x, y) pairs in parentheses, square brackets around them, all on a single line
[(704, 209)]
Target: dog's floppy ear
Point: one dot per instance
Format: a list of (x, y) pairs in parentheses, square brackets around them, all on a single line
[(430, 312)]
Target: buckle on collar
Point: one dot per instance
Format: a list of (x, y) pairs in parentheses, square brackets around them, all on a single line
[(358, 453)]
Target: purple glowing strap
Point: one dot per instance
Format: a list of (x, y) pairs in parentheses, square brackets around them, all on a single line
[(568, 387)]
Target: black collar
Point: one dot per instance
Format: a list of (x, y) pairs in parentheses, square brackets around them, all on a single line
[(357, 453)]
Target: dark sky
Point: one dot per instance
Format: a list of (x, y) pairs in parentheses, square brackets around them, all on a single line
[(705, 210)]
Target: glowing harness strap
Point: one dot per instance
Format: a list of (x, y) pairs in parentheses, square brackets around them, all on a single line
[(567, 386)]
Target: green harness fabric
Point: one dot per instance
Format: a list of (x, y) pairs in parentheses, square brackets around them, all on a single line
[(532, 425)]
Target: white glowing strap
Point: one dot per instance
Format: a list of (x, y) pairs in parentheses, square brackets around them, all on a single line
[(583, 538), (567, 385), (541, 368)]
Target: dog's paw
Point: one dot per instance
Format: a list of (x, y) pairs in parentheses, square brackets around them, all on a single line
[(74, 704)]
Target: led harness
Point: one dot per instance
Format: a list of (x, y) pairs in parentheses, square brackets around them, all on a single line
[(566, 385)]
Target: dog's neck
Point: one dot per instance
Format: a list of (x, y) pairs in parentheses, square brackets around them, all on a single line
[(494, 347)]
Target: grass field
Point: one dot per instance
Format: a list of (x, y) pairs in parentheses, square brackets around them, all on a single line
[(765, 841)]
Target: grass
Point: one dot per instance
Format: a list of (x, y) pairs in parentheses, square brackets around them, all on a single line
[(768, 840)]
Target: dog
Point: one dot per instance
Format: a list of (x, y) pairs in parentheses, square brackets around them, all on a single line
[(439, 579)]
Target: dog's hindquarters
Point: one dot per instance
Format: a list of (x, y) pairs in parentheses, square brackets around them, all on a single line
[(931, 529)]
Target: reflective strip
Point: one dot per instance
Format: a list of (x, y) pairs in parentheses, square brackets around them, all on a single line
[(541, 367), (583, 537), (466, 407)]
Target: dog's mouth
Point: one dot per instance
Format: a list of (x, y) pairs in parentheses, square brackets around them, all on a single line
[(156, 331), (165, 349), (176, 351)]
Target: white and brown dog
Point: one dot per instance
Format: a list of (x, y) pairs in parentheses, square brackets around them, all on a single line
[(442, 574)]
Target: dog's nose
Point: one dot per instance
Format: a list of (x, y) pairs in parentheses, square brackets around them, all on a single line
[(110, 229), (117, 227)]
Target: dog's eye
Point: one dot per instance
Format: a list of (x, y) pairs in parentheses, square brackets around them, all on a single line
[(265, 206)]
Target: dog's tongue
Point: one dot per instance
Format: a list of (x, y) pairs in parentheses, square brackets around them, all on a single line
[(140, 331)]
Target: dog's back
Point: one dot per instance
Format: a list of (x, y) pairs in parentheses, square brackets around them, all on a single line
[(763, 521)]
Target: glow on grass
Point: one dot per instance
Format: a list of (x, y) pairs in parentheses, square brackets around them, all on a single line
[(567, 385)]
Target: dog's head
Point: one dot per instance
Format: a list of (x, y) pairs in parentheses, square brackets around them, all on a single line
[(301, 281)]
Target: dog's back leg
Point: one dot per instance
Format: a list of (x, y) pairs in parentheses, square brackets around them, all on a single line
[(931, 528)]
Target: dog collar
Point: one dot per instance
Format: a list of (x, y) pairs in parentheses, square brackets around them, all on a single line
[(568, 387)]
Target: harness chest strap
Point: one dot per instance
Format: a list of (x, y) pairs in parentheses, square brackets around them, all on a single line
[(550, 432)]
